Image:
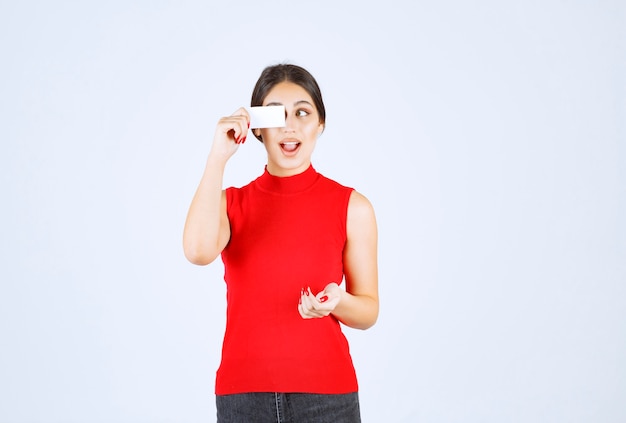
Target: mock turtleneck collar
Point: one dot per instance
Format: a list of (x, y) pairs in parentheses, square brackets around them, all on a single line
[(288, 184)]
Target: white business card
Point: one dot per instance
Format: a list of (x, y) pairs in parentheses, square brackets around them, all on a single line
[(267, 117)]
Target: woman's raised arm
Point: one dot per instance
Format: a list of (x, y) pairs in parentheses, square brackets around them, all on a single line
[(207, 230)]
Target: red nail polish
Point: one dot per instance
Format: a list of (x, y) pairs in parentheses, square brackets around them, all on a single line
[(243, 140), (324, 299)]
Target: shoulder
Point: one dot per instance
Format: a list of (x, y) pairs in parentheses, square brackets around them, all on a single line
[(236, 193), (358, 204), (331, 183), (361, 226), (332, 193), (360, 209)]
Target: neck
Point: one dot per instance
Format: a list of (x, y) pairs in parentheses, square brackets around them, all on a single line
[(282, 172), (287, 185)]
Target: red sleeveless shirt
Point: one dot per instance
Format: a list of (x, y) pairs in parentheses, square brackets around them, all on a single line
[(286, 234)]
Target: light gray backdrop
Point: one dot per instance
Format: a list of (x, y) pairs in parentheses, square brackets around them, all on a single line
[(488, 135)]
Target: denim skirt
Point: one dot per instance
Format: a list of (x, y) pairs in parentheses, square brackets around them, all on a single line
[(275, 407)]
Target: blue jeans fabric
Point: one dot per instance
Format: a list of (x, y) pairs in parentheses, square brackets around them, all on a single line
[(270, 407)]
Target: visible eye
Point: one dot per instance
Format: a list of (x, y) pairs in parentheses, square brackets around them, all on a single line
[(302, 113)]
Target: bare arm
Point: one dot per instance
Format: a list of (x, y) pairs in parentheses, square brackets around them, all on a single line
[(207, 230), (357, 306)]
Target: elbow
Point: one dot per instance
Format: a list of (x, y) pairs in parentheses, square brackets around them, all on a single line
[(363, 325), (368, 323), (365, 319), (371, 317), (198, 260), (198, 256)]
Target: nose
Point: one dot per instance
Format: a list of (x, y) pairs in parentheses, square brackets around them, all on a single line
[(289, 122)]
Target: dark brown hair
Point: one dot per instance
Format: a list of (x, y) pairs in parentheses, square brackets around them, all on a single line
[(275, 74)]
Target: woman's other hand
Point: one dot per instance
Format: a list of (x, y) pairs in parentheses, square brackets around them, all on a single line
[(321, 305)]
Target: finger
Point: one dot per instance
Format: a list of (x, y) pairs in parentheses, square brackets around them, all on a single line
[(301, 311), (312, 307), (305, 300), (327, 301), (306, 306), (230, 127), (322, 296), (242, 112), (236, 125), (301, 306), (310, 301), (304, 310), (235, 128), (243, 119)]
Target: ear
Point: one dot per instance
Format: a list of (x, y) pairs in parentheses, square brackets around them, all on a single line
[(320, 129)]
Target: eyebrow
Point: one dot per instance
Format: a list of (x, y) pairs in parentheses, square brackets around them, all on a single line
[(295, 104)]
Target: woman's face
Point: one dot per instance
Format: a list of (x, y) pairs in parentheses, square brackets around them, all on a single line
[(289, 149)]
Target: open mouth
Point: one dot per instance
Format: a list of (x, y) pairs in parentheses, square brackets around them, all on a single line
[(290, 147)]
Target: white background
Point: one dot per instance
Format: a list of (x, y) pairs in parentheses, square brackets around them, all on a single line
[(489, 136)]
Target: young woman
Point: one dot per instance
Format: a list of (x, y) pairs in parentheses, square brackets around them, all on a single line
[(288, 240)]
